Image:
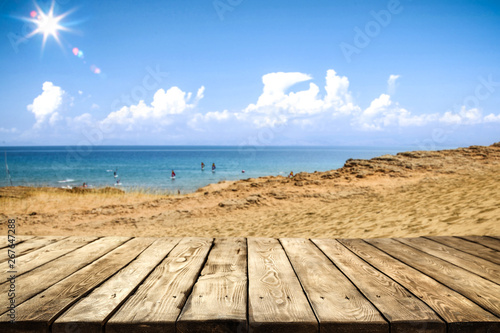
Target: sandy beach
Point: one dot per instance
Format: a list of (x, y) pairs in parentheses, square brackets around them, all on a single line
[(449, 192)]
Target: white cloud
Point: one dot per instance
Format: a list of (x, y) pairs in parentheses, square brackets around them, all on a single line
[(54, 118), (491, 118), (8, 130), (199, 120), (275, 106), (275, 85), (95, 106), (46, 105), (463, 117), (450, 118), (200, 94), (379, 113), (85, 119), (383, 112), (224, 115), (172, 101), (338, 97), (308, 113), (391, 84), (165, 104), (83, 123)]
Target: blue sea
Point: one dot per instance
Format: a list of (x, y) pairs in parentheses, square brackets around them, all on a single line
[(150, 167)]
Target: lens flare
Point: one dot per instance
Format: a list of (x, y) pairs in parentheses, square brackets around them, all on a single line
[(47, 24), (95, 69)]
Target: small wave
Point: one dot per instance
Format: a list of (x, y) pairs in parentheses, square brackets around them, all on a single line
[(66, 181)]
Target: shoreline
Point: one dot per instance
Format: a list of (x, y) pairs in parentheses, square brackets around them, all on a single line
[(349, 164), (149, 169), (415, 193)]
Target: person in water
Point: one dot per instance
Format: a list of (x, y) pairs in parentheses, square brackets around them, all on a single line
[(202, 165), (173, 174), (213, 166)]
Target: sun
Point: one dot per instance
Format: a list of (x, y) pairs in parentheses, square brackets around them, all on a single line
[(47, 24)]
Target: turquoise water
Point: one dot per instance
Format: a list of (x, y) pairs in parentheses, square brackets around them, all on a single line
[(151, 166)]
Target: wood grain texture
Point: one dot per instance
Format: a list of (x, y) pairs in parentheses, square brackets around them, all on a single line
[(218, 302), (91, 313), (30, 245), (48, 253), (38, 313), (157, 303), (119, 284), (481, 267), (18, 240), (460, 314), (479, 290), (338, 304), (490, 242), (472, 248), (42, 277), (276, 301), (404, 312)]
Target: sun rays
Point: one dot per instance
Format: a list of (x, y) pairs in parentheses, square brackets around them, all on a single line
[(47, 24)]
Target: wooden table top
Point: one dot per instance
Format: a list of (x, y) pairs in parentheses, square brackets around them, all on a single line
[(125, 284)]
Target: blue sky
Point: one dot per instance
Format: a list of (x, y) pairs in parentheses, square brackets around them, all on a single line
[(240, 72)]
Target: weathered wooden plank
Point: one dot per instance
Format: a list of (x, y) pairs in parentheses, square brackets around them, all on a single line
[(42, 277), (90, 314), (38, 313), (490, 242), (276, 301), (218, 302), (481, 267), (30, 245), (477, 289), (158, 302), (338, 304), (404, 312), (472, 248), (24, 237), (460, 314), (48, 253), (18, 240)]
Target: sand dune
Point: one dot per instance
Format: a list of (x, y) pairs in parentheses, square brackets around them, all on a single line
[(450, 192)]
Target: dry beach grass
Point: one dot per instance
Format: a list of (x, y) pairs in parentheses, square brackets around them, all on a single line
[(451, 192)]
